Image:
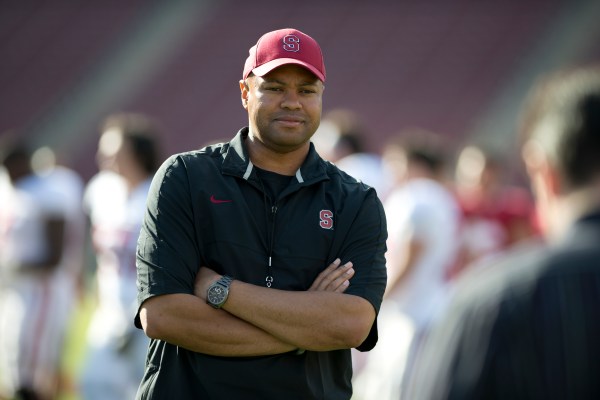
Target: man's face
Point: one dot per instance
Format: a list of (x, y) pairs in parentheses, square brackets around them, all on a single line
[(284, 107), (109, 145)]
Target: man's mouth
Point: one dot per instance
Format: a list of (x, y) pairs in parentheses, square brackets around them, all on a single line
[(289, 121)]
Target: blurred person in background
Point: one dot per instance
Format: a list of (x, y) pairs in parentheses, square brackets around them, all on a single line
[(69, 279), (46, 164), (40, 221), (528, 326), (423, 222), (341, 138), (128, 156), (495, 214)]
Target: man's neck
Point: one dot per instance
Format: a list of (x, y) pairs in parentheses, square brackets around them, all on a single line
[(574, 206), (284, 163)]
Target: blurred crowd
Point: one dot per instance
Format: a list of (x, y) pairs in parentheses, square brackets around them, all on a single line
[(49, 219), (451, 208), (49, 215)]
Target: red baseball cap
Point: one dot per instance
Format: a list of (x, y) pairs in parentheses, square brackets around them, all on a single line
[(281, 47)]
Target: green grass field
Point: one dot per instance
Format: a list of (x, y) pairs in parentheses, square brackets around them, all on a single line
[(75, 346)]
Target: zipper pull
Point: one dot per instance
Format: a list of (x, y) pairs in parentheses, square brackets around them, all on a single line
[(269, 278)]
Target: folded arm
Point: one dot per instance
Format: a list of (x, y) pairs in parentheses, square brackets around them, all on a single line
[(318, 320), (187, 321)]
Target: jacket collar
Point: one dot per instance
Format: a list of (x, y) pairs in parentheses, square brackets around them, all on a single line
[(582, 231), (237, 161)]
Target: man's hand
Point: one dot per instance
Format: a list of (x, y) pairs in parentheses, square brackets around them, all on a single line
[(334, 278)]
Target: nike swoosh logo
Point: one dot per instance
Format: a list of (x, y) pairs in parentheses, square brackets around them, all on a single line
[(217, 201)]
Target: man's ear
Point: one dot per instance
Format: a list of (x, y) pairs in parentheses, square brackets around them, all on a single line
[(544, 176), (244, 89)]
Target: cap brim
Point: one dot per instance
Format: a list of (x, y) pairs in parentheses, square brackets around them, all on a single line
[(271, 65)]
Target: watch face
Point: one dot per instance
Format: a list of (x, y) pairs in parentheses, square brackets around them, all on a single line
[(217, 294)]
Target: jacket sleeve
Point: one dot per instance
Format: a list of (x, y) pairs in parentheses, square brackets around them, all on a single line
[(167, 252), (364, 243)]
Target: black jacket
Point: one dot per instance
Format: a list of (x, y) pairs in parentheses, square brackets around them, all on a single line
[(527, 327), (209, 207)]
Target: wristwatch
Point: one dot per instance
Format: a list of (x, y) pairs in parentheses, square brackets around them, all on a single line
[(218, 291)]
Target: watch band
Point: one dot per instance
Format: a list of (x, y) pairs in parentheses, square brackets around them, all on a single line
[(225, 281)]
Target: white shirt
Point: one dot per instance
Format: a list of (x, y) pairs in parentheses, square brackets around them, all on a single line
[(25, 207), (367, 168), (116, 217), (423, 210)]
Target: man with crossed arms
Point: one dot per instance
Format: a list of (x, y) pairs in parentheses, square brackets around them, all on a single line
[(260, 265)]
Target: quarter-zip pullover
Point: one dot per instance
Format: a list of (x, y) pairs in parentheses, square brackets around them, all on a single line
[(207, 207)]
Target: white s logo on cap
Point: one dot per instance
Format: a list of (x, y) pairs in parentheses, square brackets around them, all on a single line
[(291, 43)]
